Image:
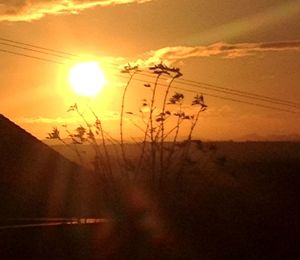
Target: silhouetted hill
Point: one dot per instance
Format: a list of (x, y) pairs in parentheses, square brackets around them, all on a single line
[(37, 181)]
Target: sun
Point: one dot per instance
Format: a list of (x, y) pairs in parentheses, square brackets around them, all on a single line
[(87, 79)]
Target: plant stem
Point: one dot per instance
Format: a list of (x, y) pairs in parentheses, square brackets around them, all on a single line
[(148, 125), (121, 123), (177, 127), (153, 149), (163, 131), (110, 172), (75, 149), (188, 144)]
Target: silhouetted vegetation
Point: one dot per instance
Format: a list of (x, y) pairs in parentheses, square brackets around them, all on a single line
[(162, 157)]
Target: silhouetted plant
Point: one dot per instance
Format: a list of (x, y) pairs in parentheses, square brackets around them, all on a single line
[(131, 71), (55, 135), (197, 101), (88, 134), (157, 133), (174, 73), (176, 99), (159, 146)]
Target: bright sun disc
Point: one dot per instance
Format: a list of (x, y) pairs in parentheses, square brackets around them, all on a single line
[(87, 78)]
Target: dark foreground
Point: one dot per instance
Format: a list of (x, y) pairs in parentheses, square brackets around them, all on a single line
[(244, 208)]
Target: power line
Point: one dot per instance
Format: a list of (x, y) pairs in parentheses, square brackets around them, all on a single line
[(31, 56), (219, 97), (187, 90), (33, 50), (249, 96), (243, 92), (39, 47), (192, 83), (228, 91), (243, 101)]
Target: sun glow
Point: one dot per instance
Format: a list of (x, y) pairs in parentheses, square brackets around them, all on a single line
[(87, 79)]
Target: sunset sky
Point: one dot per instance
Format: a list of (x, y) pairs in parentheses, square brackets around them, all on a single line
[(251, 46)]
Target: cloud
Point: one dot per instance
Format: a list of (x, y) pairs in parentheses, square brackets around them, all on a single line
[(108, 116), (28, 10), (47, 120), (178, 53)]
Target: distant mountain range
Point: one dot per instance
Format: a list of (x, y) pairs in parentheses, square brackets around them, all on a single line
[(36, 181), (283, 138)]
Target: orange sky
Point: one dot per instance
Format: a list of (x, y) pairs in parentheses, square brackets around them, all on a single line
[(253, 49)]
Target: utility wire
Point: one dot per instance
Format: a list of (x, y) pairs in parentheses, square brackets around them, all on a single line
[(31, 56), (249, 96), (216, 96), (39, 47), (191, 83), (229, 91), (184, 89), (33, 50), (242, 92)]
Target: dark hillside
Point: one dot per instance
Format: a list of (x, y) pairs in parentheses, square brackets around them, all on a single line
[(37, 181)]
